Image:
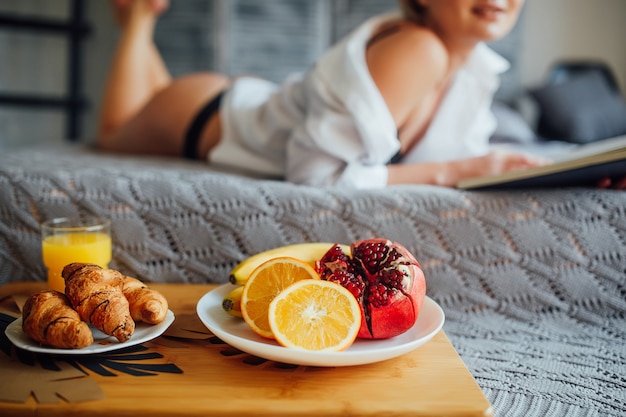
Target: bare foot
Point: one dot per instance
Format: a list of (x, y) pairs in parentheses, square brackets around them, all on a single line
[(159, 6), (124, 9)]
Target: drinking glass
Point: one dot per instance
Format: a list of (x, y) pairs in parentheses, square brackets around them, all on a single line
[(67, 240)]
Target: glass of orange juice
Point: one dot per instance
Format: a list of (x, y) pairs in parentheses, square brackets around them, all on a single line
[(67, 240)]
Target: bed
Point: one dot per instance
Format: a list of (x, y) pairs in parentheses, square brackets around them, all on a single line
[(533, 282)]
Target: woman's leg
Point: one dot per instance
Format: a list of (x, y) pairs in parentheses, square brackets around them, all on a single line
[(137, 70), (144, 110)]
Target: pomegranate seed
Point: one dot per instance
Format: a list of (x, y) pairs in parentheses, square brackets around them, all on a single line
[(378, 296)]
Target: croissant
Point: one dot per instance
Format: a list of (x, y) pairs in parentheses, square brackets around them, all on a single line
[(48, 318), (97, 297), (146, 305)]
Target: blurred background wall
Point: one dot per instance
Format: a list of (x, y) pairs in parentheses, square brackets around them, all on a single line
[(269, 38)]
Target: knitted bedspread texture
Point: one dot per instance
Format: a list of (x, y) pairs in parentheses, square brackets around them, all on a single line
[(532, 282)]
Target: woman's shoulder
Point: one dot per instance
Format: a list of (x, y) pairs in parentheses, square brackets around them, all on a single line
[(408, 46), (414, 56)]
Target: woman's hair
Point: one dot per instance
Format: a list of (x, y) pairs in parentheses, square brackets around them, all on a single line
[(412, 10)]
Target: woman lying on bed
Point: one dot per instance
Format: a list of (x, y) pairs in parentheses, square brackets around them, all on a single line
[(404, 98)]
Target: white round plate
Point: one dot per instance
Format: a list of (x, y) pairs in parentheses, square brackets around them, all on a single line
[(238, 334), (101, 342)]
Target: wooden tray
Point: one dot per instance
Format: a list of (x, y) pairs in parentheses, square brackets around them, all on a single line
[(217, 380)]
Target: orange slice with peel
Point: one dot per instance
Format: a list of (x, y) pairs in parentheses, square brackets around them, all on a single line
[(265, 283), (315, 315)]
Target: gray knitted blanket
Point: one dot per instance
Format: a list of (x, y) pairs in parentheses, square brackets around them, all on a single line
[(533, 282)]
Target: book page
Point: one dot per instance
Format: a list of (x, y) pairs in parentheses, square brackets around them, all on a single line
[(593, 148)]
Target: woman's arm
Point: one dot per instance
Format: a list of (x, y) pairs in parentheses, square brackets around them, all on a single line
[(448, 174)]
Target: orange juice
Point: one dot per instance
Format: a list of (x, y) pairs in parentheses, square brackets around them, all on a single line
[(62, 249)]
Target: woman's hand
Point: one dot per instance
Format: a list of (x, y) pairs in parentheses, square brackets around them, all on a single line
[(494, 163), (499, 162), (448, 174)]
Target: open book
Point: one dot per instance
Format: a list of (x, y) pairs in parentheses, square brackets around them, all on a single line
[(582, 166)]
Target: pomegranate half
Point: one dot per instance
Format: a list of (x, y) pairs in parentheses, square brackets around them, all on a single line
[(386, 280)]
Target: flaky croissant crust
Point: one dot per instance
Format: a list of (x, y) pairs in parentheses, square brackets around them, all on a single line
[(49, 319), (95, 294), (146, 304)]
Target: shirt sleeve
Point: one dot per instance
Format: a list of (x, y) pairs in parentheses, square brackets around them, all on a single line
[(314, 166), (327, 149)]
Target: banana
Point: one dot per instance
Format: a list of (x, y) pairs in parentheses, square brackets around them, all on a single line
[(232, 302), (307, 252)]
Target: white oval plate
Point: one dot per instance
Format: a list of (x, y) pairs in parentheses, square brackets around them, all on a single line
[(101, 342), (238, 334)]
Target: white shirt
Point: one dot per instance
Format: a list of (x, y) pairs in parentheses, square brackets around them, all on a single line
[(332, 125)]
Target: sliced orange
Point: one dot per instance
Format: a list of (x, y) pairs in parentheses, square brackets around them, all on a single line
[(265, 283), (315, 315)]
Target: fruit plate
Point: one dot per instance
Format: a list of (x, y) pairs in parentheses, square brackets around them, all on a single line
[(101, 342), (236, 333)]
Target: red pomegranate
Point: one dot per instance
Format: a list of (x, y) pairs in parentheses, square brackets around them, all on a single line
[(386, 280)]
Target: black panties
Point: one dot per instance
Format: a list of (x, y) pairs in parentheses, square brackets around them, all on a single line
[(396, 158), (192, 138)]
